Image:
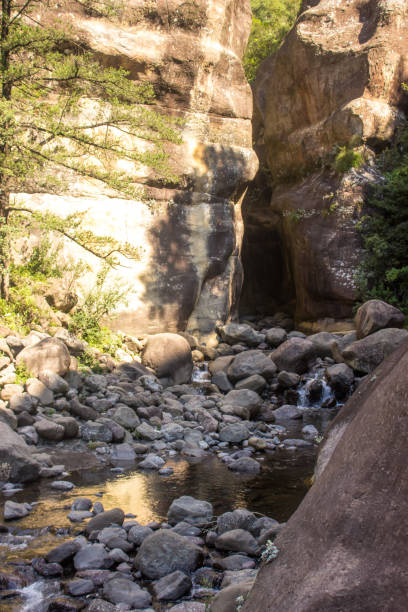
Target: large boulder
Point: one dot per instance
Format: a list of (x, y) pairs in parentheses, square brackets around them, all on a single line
[(17, 464), (243, 398), (375, 315), (294, 355), (169, 355), (358, 560), (190, 510), (165, 552), (366, 354), (124, 591), (236, 333), (249, 363), (50, 354)]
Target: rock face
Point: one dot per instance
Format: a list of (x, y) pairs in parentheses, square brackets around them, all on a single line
[(189, 274), (361, 470), (335, 82)]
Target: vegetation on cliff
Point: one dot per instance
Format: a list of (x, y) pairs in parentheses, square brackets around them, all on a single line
[(272, 19), (384, 271), (64, 116)]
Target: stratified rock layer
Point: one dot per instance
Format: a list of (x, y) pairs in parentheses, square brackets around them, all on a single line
[(344, 548), (335, 82), (190, 273)]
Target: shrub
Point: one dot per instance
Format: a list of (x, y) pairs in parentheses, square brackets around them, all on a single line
[(383, 273), (346, 159)]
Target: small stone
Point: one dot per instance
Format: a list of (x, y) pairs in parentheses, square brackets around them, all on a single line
[(13, 510), (62, 485), (172, 587), (152, 462)]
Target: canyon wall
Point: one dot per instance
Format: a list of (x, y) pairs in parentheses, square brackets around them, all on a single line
[(189, 274), (335, 82)]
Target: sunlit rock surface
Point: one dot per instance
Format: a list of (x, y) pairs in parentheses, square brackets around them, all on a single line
[(336, 81), (189, 274)]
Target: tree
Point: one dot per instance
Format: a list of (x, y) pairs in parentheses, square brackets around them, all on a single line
[(272, 19), (61, 114)]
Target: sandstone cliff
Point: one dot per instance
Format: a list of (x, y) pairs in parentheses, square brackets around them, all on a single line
[(335, 81), (190, 273)]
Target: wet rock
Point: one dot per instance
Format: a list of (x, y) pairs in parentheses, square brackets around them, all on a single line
[(63, 552), (126, 417), (366, 354), (93, 556), (235, 333), (237, 519), (39, 391), (96, 431), (235, 563), (245, 465), (49, 430), (80, 586), (50, 354), (234, 433), (15, 456), (254, 383), (341, 378), (375, 315), (226, 600), (296, 442), (105, 519), (172, 587), (13, 510), (48, 570), (169, 355), (294, 355), (139, 533), (244, 398), (77, 516), (190, 510), (250, 363), (123, 591), (238, 577), (70, 425), (85, 413), (152, 462), (99, 605), (164, 552), (62, 485), (287, 412), (123, 452), (275, 336), (237, 540)]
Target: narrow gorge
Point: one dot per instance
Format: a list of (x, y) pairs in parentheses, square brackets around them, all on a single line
[(203, 299)]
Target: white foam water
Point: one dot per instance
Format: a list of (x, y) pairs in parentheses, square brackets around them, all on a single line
[(37, 596)]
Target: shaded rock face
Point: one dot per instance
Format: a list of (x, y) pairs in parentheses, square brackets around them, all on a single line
[(357, 560), (336, 80), (189, 274)]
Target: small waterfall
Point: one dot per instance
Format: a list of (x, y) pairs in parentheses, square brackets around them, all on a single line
[(201, 373), (37, 596), (305, 393)]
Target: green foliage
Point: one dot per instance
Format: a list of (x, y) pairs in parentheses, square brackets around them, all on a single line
[(63, 114), (346, 159), (22, 374), (383, 273), (100, 301), (272, 19)]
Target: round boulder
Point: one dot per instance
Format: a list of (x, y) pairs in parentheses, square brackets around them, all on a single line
[(375, 315), (50, 354), (165, 552), (190, 510), (169, 355), (294, 355)]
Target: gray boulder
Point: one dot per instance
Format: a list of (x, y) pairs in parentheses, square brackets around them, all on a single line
[(375, 315), (50, 354), (15, 457), (93, 556), (249, 363), (169, 356), (254, 383), (105, 519), (237, 519), (172, 587), (49, 430), (341, 378), (245, 465), (322, 342), (245, 398), (237, 540), (294, 355), (287, 412), (124, 591), (39, 391), (126, 417), (152, 462), (276, 336), (190, 510), (234, 433), (366, 354), (13, 510), (235, 333), (164, 552)]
